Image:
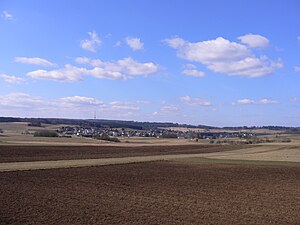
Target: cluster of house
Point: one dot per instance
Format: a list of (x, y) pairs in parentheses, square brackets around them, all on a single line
[(157, 133)]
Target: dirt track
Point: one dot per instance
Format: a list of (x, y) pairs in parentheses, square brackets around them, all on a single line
[(286, 153), (15, 166), (46, 153), (70, 156)]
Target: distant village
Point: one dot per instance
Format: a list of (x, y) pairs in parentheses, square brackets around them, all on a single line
[(153, 133)]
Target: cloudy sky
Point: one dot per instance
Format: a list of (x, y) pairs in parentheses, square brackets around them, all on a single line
[(213, 62)]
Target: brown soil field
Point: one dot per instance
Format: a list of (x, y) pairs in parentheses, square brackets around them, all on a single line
[(20, 153), (152, 193)]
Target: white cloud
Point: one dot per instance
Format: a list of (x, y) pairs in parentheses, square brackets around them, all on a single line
[(254, 40), (67, 74), (122, 69), (11, 79), (7, 16), (92, 62), (166, 110), (193, 72), (143, 102), (135, 68), (247, 67), (92, 43), (194, 101), (81, 100), (245, 101), (297, 69), (88, 103), (123, 106), (22, 104), (20, 100), (222, 56), (34, 61), (260, 102), (267, 102), (134, 43), (102, 73), (175, 42), (190, 66)]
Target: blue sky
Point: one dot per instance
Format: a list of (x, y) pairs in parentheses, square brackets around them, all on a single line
[(221, 63)]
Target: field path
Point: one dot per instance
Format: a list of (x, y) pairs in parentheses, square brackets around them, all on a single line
[(260, 153), (286, 153), (15, 166)]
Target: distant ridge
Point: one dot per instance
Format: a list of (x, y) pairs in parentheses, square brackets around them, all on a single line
[(103, 123), (132, 124)]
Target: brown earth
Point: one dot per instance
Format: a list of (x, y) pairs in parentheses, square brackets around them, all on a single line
[(18, 153), (152, 193)]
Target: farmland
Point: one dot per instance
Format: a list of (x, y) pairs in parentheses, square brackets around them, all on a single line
[(147, 181), (153, 193)]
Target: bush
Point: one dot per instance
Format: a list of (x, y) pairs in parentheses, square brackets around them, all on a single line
[(35, 124), (107, 138), (45, 133), (169, 135)]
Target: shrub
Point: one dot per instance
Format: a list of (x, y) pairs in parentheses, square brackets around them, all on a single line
[(45, 133), (35, 124), (169, 135), (107, 138)]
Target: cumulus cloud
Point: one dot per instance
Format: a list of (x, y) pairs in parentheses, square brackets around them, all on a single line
[(20, 100), (88, 103), (193, 73), (123, 106), (260, 102), (223, 56), (92, 43), (134, 68), (175, 42), (297, 69), (254, 40), (92, 62), (194, 101), (67, 74), (166, 110), (134, 43), (34, 61), (122, 69), (11, 79), (267, 101), (7, 16), (22, 104), (80, 100)]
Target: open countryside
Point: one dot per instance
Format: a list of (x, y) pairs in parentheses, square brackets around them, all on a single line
[(178, 112)]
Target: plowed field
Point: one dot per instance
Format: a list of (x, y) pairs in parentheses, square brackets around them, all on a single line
[(152, 193), (20, 153)]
